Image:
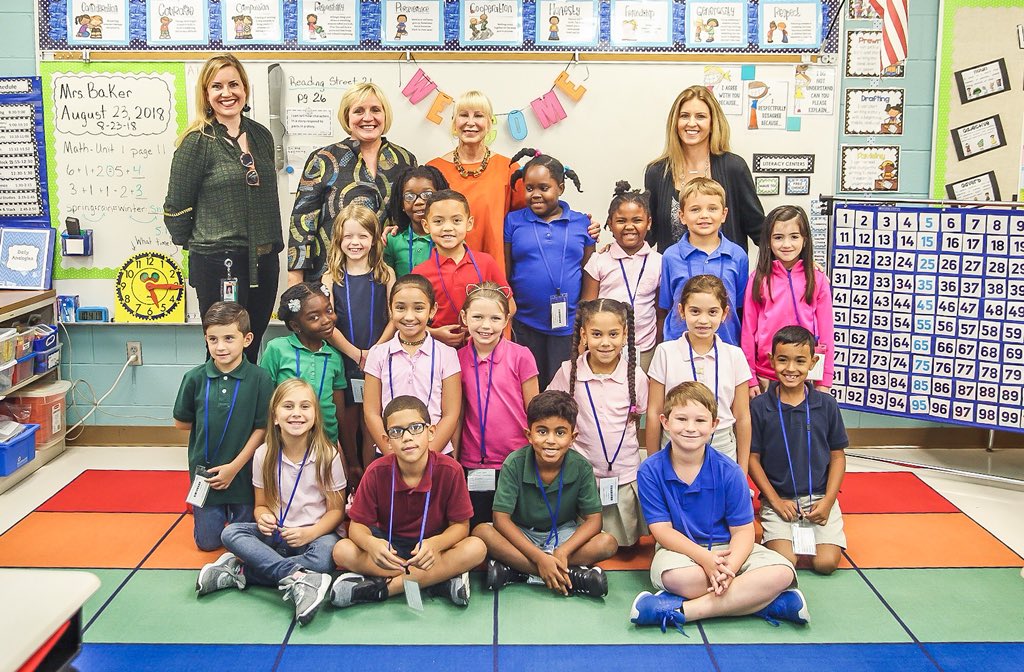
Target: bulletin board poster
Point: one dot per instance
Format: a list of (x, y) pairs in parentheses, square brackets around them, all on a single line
[(247, 22), (325, 22), (713, 24), (97, 23), (789, 24), (177, 22), (568, 23), (110, 133), (929, 313), (412, 22), (491, 23), (24, 197), (641, 23)]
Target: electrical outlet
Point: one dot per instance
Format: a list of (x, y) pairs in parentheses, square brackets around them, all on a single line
[(135, 348)]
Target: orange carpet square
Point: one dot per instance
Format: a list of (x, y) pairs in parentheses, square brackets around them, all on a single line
[(121, 491), (635, 557), (178, 550)]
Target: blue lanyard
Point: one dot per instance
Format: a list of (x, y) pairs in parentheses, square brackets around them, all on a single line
[(283, 514), (711, 510), (544, 258), (796, 312), (558, 502), (323, 375), (625, 279), (483, 406), (426, 504), (789, 457), (391, 379), (206, 419), (440, 278), (348, 307), (693, 367), (600, 434)]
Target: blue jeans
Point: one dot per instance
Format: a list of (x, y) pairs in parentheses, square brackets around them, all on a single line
[(210, 520), (268, 560)]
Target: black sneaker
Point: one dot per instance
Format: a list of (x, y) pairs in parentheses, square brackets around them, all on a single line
[(351, 588), (500, 575), (455, 589), (590, 581)]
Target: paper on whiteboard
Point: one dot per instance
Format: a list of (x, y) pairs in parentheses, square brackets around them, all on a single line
[(308, 121), (295, 161)]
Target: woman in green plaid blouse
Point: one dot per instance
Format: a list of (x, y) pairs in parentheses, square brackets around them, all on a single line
[(360, 169)]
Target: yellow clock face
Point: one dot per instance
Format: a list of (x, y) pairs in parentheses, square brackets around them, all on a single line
[(150, 288)]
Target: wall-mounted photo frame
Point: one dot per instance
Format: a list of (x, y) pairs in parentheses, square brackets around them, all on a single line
[(798, 185), (767, 185)]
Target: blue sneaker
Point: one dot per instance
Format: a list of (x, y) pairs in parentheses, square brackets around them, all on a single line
[(790, 605), (659, 609)]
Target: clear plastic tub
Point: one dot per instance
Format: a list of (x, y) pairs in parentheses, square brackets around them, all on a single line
[(7, 345)]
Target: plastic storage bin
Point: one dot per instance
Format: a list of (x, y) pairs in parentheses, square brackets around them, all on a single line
[(19, 451), (24, 368), (47, 403), (47, 359), (7, 374), (46, 338), (7, 345), (23, 343)]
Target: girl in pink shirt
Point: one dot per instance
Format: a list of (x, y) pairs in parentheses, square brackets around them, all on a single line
[(500, 379), (787, 289), (629, 270), (611, 391)]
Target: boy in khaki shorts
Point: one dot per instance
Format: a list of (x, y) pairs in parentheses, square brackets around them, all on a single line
[(697, 504), (797, 458)]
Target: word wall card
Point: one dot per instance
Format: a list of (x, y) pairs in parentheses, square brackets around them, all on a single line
[(929, 313)]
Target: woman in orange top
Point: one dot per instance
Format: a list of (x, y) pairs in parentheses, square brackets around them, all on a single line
[(481, 175)]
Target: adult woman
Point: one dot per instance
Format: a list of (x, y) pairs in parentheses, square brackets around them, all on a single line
[(697, 145), (480, 175), (359, 169), (222, 202)]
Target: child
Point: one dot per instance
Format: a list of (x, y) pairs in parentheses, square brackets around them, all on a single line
[(358, 282), (799, 430), (787, 289), (629, 270), (307, 312), (413, 363), (698, 506), (546, 248), (703, 356), (411, 245), (410, 518), (298, 510), (500, 381), (613, 395), (702, 249), (236, 418), (453, 266), (543, 491)]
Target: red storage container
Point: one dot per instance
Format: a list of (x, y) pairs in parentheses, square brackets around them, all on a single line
[(47, 405)]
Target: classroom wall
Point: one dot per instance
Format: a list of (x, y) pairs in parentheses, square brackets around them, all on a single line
[(17, 49)]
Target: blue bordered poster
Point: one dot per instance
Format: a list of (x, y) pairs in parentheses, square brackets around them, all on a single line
[(97, 23), (485, 23), (789, 24), (570, 23), (24, 197), (716, 24), (328, 22), (177, 22), (641, 23), (26, 257), (245, 22), (412, 22)]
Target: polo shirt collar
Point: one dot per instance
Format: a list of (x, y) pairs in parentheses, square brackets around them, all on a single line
[(441, 260), (686, 248), (497, 355), (530, 470), (425, 483), (704, 480), (238, 373), (293, 340), (309, 460), (585, 373), (813, 396), (617, 252), (685, 349), (395, 346), (531, 216)]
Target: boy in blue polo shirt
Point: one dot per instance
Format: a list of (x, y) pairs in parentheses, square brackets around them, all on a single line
[(223, 403), (797, 458), (702, 249), (697, 505)]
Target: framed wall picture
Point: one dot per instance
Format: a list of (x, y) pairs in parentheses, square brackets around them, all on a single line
[(767, 185), (798, 185), (978, 137)]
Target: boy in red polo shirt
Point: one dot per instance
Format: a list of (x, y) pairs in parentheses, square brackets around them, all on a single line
[(410, 518), (452, 266)]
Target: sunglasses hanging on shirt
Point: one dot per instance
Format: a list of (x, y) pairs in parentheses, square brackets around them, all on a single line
[(252, 178)]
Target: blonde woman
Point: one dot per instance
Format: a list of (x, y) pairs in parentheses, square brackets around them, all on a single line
[(222, 203), (359, 169), (697, 145)]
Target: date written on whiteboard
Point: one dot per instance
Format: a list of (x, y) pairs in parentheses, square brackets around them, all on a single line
[(124, 105)]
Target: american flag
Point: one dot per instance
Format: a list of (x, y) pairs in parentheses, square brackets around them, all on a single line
[(894, 30)]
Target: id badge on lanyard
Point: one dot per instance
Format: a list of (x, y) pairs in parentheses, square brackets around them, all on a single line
[(357, 389), (559, 311), (803, 538), (200, 489), (229, 284), (609, 490)]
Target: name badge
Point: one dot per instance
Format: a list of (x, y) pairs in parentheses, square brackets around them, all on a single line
[(412, 595), (200, 488), (803, 539), (609, 489), (482, 480), (229, 289), (559, 311), (817, 372), (357, 389)]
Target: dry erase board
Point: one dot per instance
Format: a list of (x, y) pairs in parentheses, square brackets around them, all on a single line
[(929, 313)]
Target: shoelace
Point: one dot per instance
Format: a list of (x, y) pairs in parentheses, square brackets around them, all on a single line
[(290, 587), (771, 621), (671, 616)]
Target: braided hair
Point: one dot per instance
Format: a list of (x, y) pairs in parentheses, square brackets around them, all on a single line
[(301, 293), (558, 171), (395, 205), (625, 194), (587, 310)]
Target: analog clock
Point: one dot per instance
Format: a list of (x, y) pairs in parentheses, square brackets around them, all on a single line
[(149, 288)]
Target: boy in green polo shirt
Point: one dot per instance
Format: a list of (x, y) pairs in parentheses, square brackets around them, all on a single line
[(223, 403), (547, 511)]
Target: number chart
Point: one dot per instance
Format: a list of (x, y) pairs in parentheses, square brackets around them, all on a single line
[(929, 313)]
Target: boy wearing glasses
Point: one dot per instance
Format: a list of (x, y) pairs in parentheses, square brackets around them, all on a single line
[(547, 511), (410, 519)]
